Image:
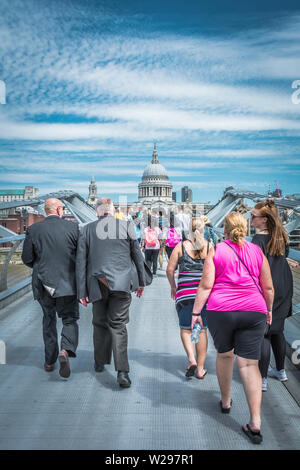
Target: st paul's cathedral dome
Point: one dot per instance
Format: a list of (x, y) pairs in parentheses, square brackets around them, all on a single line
[(155, 183)]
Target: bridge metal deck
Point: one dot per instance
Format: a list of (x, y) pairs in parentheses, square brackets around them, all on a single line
[(161, 411)]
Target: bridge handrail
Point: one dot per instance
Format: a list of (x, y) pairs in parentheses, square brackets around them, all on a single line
[(12, 238), (293, 254), (16, 241)]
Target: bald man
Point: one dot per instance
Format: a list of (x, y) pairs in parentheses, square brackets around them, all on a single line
[(50, 249)]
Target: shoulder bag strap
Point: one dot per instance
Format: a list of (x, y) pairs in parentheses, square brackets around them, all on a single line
[(246, 268)]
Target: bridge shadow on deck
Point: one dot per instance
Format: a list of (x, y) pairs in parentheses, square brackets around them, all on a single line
[(162, 410)]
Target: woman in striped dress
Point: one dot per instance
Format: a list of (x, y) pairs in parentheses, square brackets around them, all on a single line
[(189, 257)]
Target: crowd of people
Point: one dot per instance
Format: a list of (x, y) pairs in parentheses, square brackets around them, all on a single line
[(240, 291)]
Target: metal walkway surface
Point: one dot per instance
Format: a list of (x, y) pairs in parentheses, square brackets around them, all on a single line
[(161, 411)]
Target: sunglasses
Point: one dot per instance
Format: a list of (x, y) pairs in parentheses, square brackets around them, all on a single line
[(255, 216)]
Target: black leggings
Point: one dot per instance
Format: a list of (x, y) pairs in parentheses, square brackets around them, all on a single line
[(151, 259), (277, 341)]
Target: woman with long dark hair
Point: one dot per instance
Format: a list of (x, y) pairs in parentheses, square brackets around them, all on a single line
[(273, 240)]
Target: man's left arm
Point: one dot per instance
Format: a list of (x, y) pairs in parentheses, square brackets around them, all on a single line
[(28, 255), (81, 268), (136, 254)]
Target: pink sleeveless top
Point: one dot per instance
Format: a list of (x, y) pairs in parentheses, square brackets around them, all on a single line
[(234, 289)]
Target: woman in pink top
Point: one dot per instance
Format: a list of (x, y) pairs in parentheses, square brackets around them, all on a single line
[(238, 285)]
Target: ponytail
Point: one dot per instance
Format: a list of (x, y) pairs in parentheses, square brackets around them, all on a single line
[(235, 227), (197, 231), (279, 237)]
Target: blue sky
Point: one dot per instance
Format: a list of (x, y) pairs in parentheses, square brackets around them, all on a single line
[(90, 85)]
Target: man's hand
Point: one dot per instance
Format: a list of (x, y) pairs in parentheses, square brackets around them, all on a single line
[(140, 291), (84, 301)]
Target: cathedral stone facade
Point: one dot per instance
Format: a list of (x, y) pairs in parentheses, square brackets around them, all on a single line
[(154, 192), (155, 185)]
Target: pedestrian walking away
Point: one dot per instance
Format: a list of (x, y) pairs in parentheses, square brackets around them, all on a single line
[(209, 233), (189, 257), (50, 249), (273, 240), (238, 285), (109, 266), (183, 218), (172, 236), (151, 245)]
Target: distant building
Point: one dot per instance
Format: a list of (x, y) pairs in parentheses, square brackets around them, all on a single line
[(186, 194), (18, 224), (155, 192), (155, 185), (8, 195), (92, 199)]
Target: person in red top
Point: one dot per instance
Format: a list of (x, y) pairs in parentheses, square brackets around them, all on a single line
[(151, 244)]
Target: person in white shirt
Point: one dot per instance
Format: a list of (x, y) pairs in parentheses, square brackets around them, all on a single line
[(183, 219)]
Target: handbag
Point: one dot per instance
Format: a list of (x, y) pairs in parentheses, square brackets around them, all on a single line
[(246, 268)]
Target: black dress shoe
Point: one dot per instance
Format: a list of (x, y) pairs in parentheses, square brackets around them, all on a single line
[(99, 367), (64, 370), (123, 379), (48, 367)]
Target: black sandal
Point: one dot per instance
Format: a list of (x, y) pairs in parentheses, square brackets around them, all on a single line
[(190, 371), (225, 410), (254, 436)]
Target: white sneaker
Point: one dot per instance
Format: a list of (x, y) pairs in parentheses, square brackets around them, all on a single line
[(278, 374), (264, 384)]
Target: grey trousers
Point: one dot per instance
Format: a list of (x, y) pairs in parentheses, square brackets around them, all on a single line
[(110, 316), (68, 310)]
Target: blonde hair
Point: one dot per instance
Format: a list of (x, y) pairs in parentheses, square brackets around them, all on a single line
[(279, 237), (235, 227), (197, 231)]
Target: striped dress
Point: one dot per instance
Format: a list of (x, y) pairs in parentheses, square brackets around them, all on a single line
[(189, 277)]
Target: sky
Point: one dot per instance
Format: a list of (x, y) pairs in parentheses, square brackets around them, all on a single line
[(91, 85)]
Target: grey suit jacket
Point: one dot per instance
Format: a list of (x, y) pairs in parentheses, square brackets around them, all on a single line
[(108, 248), (50, 249)]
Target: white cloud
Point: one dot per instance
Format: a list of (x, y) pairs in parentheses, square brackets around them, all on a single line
[(220, 100)]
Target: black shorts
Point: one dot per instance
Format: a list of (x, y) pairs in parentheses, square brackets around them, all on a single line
[(241, 331)]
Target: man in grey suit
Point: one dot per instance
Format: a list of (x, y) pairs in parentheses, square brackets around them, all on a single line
[(50, 249), (109, 266)]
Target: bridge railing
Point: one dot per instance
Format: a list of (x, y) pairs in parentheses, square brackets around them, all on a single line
[(15, 277)]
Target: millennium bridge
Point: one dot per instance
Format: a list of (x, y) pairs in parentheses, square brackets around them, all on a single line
[(163, 410)]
